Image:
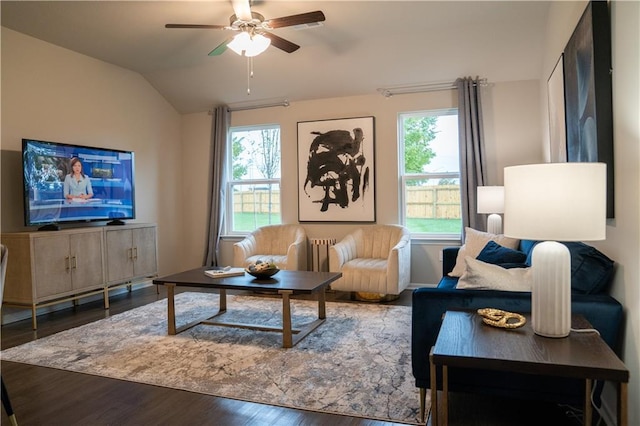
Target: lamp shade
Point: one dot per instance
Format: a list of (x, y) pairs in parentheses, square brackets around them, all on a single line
[(491, 199), (556, 201)]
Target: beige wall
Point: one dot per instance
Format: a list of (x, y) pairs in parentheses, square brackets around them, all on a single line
[(623, 232), (52, 93), (512, 137), (55, 94)]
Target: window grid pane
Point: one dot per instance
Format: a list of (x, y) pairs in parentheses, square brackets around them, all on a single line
[(253, 192), (430, 176)]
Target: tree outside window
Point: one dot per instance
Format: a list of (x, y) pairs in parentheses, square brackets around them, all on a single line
[(253, 195), (430, 173)]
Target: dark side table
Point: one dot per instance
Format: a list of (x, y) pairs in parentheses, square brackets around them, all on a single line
[(465, 341)]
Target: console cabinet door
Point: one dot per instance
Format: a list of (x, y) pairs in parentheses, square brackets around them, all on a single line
[(144, 249), (67, 262), (119, 255), (131, 253), (86, 260), (52, 266)]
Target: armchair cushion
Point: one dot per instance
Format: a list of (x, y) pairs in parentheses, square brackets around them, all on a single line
[(285, 245), (373, 259)]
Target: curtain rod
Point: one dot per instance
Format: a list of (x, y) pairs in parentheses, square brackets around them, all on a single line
[(388, 92), (284, 103)]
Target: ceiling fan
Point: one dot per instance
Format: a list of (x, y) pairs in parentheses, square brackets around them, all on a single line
[(254, 30)]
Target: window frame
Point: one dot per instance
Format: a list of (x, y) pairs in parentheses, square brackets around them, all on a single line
[(406, 177), (231, 183)]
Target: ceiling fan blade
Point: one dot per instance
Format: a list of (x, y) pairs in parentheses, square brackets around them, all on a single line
[(213, 27), (281, 43), (221, 48), (303, 18), (242, 9)]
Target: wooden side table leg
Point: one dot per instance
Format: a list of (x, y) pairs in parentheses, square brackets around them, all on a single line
[(623, 415), (588, 409), (434, 393), (445, 395)]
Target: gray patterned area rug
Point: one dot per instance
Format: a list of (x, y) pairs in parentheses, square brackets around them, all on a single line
[(358, 363)]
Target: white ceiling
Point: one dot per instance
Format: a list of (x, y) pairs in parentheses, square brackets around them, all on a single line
[(362, 45)]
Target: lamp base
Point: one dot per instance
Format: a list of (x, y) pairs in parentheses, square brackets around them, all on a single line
[(494, 224), (551, 291)]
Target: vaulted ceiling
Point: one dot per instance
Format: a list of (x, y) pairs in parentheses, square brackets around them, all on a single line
[(362, 45)]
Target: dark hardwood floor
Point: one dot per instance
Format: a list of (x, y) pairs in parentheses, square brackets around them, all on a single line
[(46, 396)]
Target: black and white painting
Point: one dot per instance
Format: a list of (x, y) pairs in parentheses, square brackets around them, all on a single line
[(336, 169)]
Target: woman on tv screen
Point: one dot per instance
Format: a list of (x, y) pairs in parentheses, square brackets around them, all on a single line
[(77, 184)]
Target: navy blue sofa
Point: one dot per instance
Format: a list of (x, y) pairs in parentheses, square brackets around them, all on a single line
[(591, 274)]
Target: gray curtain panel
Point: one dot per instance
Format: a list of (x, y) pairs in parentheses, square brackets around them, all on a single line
[(472, 152), (218, 178)]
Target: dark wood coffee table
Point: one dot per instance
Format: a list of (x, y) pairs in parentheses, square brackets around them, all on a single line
[(465, 341), (284, 283)]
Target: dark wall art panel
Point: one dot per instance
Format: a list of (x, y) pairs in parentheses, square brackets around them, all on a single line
[(588, 93)]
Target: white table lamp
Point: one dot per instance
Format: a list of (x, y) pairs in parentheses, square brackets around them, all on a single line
[(554, 202), (491, 201)]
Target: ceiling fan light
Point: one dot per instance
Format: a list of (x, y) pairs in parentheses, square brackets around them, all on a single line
[(259, 44), (246, 45), (239, 43)]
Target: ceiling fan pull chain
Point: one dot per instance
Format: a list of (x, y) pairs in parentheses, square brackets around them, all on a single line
[(249, 74)]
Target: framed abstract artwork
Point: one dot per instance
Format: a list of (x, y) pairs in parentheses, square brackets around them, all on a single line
[(336, 170), (588, 93)]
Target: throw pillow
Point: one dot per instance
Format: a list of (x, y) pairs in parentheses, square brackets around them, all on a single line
[(473, 245), (485, 276), (591, 270), (495, 254)]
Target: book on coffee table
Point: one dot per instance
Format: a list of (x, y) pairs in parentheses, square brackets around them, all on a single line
[(224, 272)]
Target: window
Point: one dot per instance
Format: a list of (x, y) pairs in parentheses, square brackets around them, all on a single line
[(430, 173), (253, 189)]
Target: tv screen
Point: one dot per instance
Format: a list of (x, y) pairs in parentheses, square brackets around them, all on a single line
[(75, 183)]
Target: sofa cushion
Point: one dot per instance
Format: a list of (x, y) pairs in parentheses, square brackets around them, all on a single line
[(448, 282), (496, 254), (485, 276), (591, 270), (473, 245)]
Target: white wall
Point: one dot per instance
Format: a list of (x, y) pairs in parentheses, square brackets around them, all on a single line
[(55, 94), (512, 137), (623, 232)]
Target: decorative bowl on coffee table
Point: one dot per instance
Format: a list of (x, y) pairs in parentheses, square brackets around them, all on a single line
[(264, 274)]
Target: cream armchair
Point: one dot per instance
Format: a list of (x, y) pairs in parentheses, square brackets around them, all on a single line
[(285, 245), (375, 261)]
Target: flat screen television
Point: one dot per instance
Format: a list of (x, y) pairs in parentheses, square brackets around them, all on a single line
[(102, 190)]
